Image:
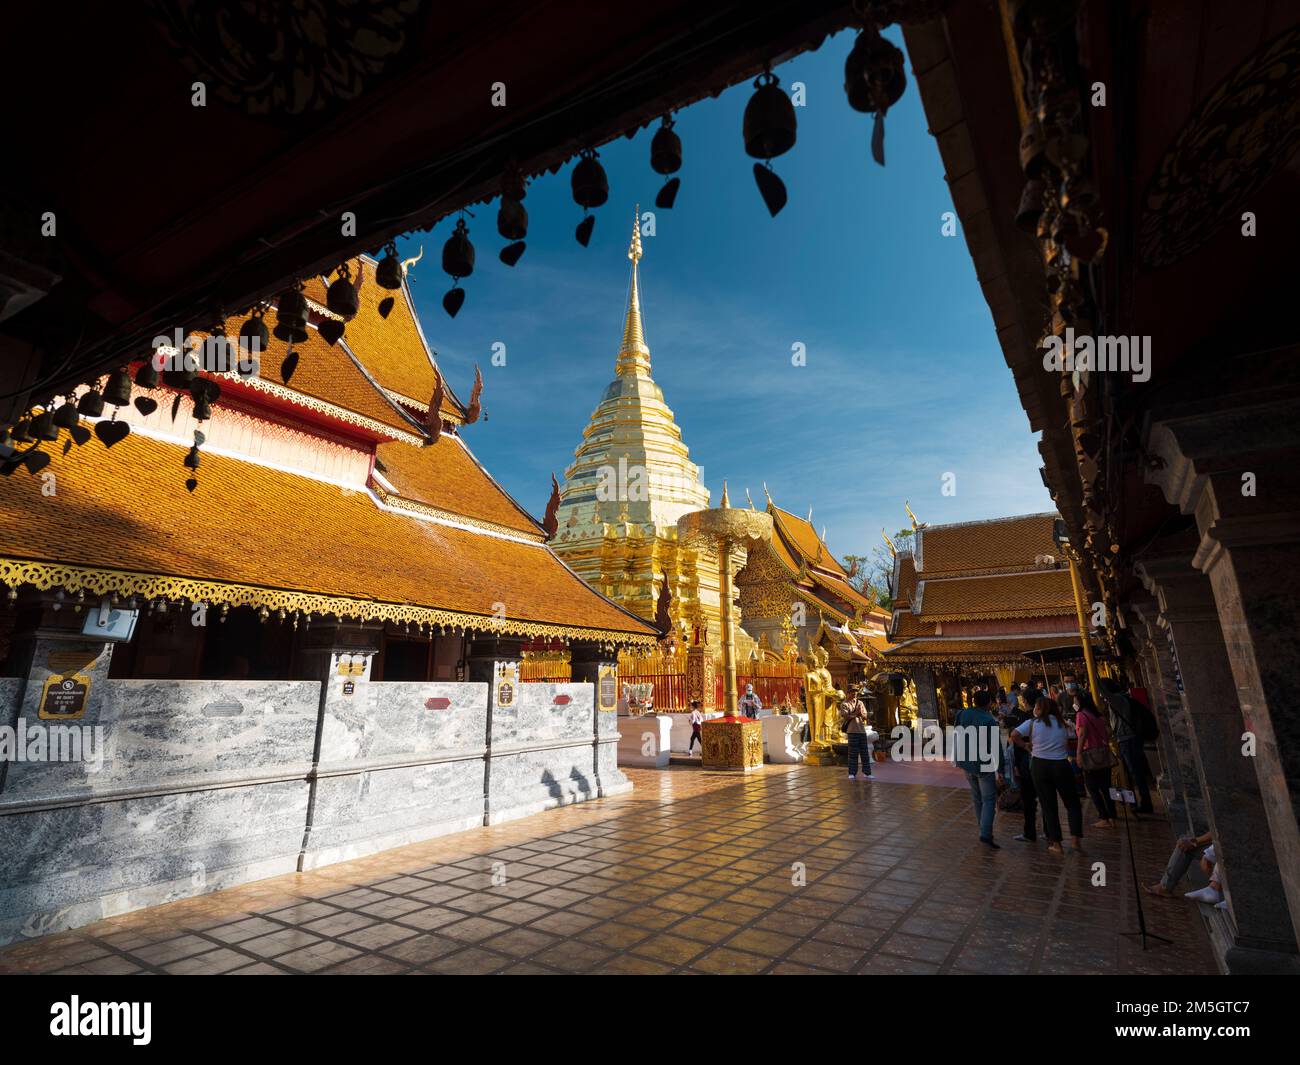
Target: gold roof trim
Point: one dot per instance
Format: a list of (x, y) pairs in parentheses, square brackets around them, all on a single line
[(46, 575), (402, 503), (301, 399)]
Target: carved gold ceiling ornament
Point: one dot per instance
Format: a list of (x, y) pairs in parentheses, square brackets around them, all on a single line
[(1245, 131), (45, 576), (288, 60)]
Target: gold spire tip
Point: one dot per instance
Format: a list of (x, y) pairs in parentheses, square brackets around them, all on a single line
[(634, 251)]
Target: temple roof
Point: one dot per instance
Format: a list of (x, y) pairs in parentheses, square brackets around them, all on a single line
[(1012, 595), (798, 546), (254, 535), (446, 475), (999, 545), (392, 349)]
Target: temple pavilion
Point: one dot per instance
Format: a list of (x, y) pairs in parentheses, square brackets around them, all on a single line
[(974, 601), (793, 588), (322, 493)]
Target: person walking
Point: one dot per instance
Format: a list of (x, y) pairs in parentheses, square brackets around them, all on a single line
[(696, 719), (854, 725), (980, 758), (1128, 737), (1048, 738), (1095, 756)]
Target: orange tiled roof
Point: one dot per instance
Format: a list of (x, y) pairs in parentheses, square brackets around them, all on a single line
[(906, 580), (1012, 595), (326, 373), (984, 546), (127, 509), (797, 540), (447, 476), (393, 349)]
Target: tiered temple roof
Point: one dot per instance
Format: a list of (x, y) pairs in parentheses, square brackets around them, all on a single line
[(321, 494), (981, 592)]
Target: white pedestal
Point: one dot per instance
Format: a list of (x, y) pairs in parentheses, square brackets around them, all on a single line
[(645, 741), (781, 734), (681, 731)]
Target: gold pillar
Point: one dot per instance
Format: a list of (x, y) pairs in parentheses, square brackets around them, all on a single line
[(1083, 634), (728, 628)]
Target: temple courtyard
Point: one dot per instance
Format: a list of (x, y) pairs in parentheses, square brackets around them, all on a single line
[(693, 872)]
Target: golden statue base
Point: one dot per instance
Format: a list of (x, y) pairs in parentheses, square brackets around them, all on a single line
[(819, 754), (732, 743)]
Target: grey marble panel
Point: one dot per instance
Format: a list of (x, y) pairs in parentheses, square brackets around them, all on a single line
[(69, 865), (539, 718), (532, 781), (361, 813), (155, 733), (394, 719)]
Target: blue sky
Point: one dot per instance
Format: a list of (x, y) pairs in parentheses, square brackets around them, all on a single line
[(904, 379)]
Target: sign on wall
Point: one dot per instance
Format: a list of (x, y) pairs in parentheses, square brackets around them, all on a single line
[(507, 685), (607, 687), (67, 690)]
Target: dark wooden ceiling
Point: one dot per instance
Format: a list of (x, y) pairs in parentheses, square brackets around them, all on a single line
[(166, 211)]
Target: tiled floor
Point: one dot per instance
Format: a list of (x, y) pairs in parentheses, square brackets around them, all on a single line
[(693, 872)]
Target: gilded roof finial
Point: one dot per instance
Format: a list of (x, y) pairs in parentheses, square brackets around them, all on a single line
[(915, 523), (767, 494), (634, 252), (726, 500), (749, 497)]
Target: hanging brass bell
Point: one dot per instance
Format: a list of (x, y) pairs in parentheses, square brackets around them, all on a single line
[(23, 432), (91, 404), (1031, 206), (458, 252), (874, 78), (388, 274), (770, 123), (254, 337), (118, 389), (588, 181), (147, 375), (291, 316), (202, 406), (666, 149), (512, 219), (66, 416), (341, 297), (43, 427), (191, 461), (1033, 157)]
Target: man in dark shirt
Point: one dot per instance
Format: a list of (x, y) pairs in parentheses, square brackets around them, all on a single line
[(980, 757)]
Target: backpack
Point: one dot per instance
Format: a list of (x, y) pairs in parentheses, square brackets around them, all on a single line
[(1139, 717)]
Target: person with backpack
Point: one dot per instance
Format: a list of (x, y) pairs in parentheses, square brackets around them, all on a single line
[(1019, 714), (1128, 725), (1048, 738), (1095, 757)]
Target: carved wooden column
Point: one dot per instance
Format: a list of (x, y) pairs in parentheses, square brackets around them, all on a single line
[(1236, 466), (1264, 940)]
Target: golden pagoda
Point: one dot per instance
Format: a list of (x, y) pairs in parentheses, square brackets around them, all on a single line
[(630, 482)]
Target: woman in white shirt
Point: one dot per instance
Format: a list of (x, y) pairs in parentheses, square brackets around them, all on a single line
[(1047, 736)]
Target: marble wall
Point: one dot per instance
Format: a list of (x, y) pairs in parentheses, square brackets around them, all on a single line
[(190, 786), (182, 787)]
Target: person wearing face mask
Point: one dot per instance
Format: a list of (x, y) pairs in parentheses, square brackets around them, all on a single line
[(750, 704)]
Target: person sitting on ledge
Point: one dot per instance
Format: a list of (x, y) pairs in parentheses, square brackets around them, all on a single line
[(1180, 861)]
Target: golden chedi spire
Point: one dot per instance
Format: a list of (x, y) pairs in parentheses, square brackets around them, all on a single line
[(633, 353)]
